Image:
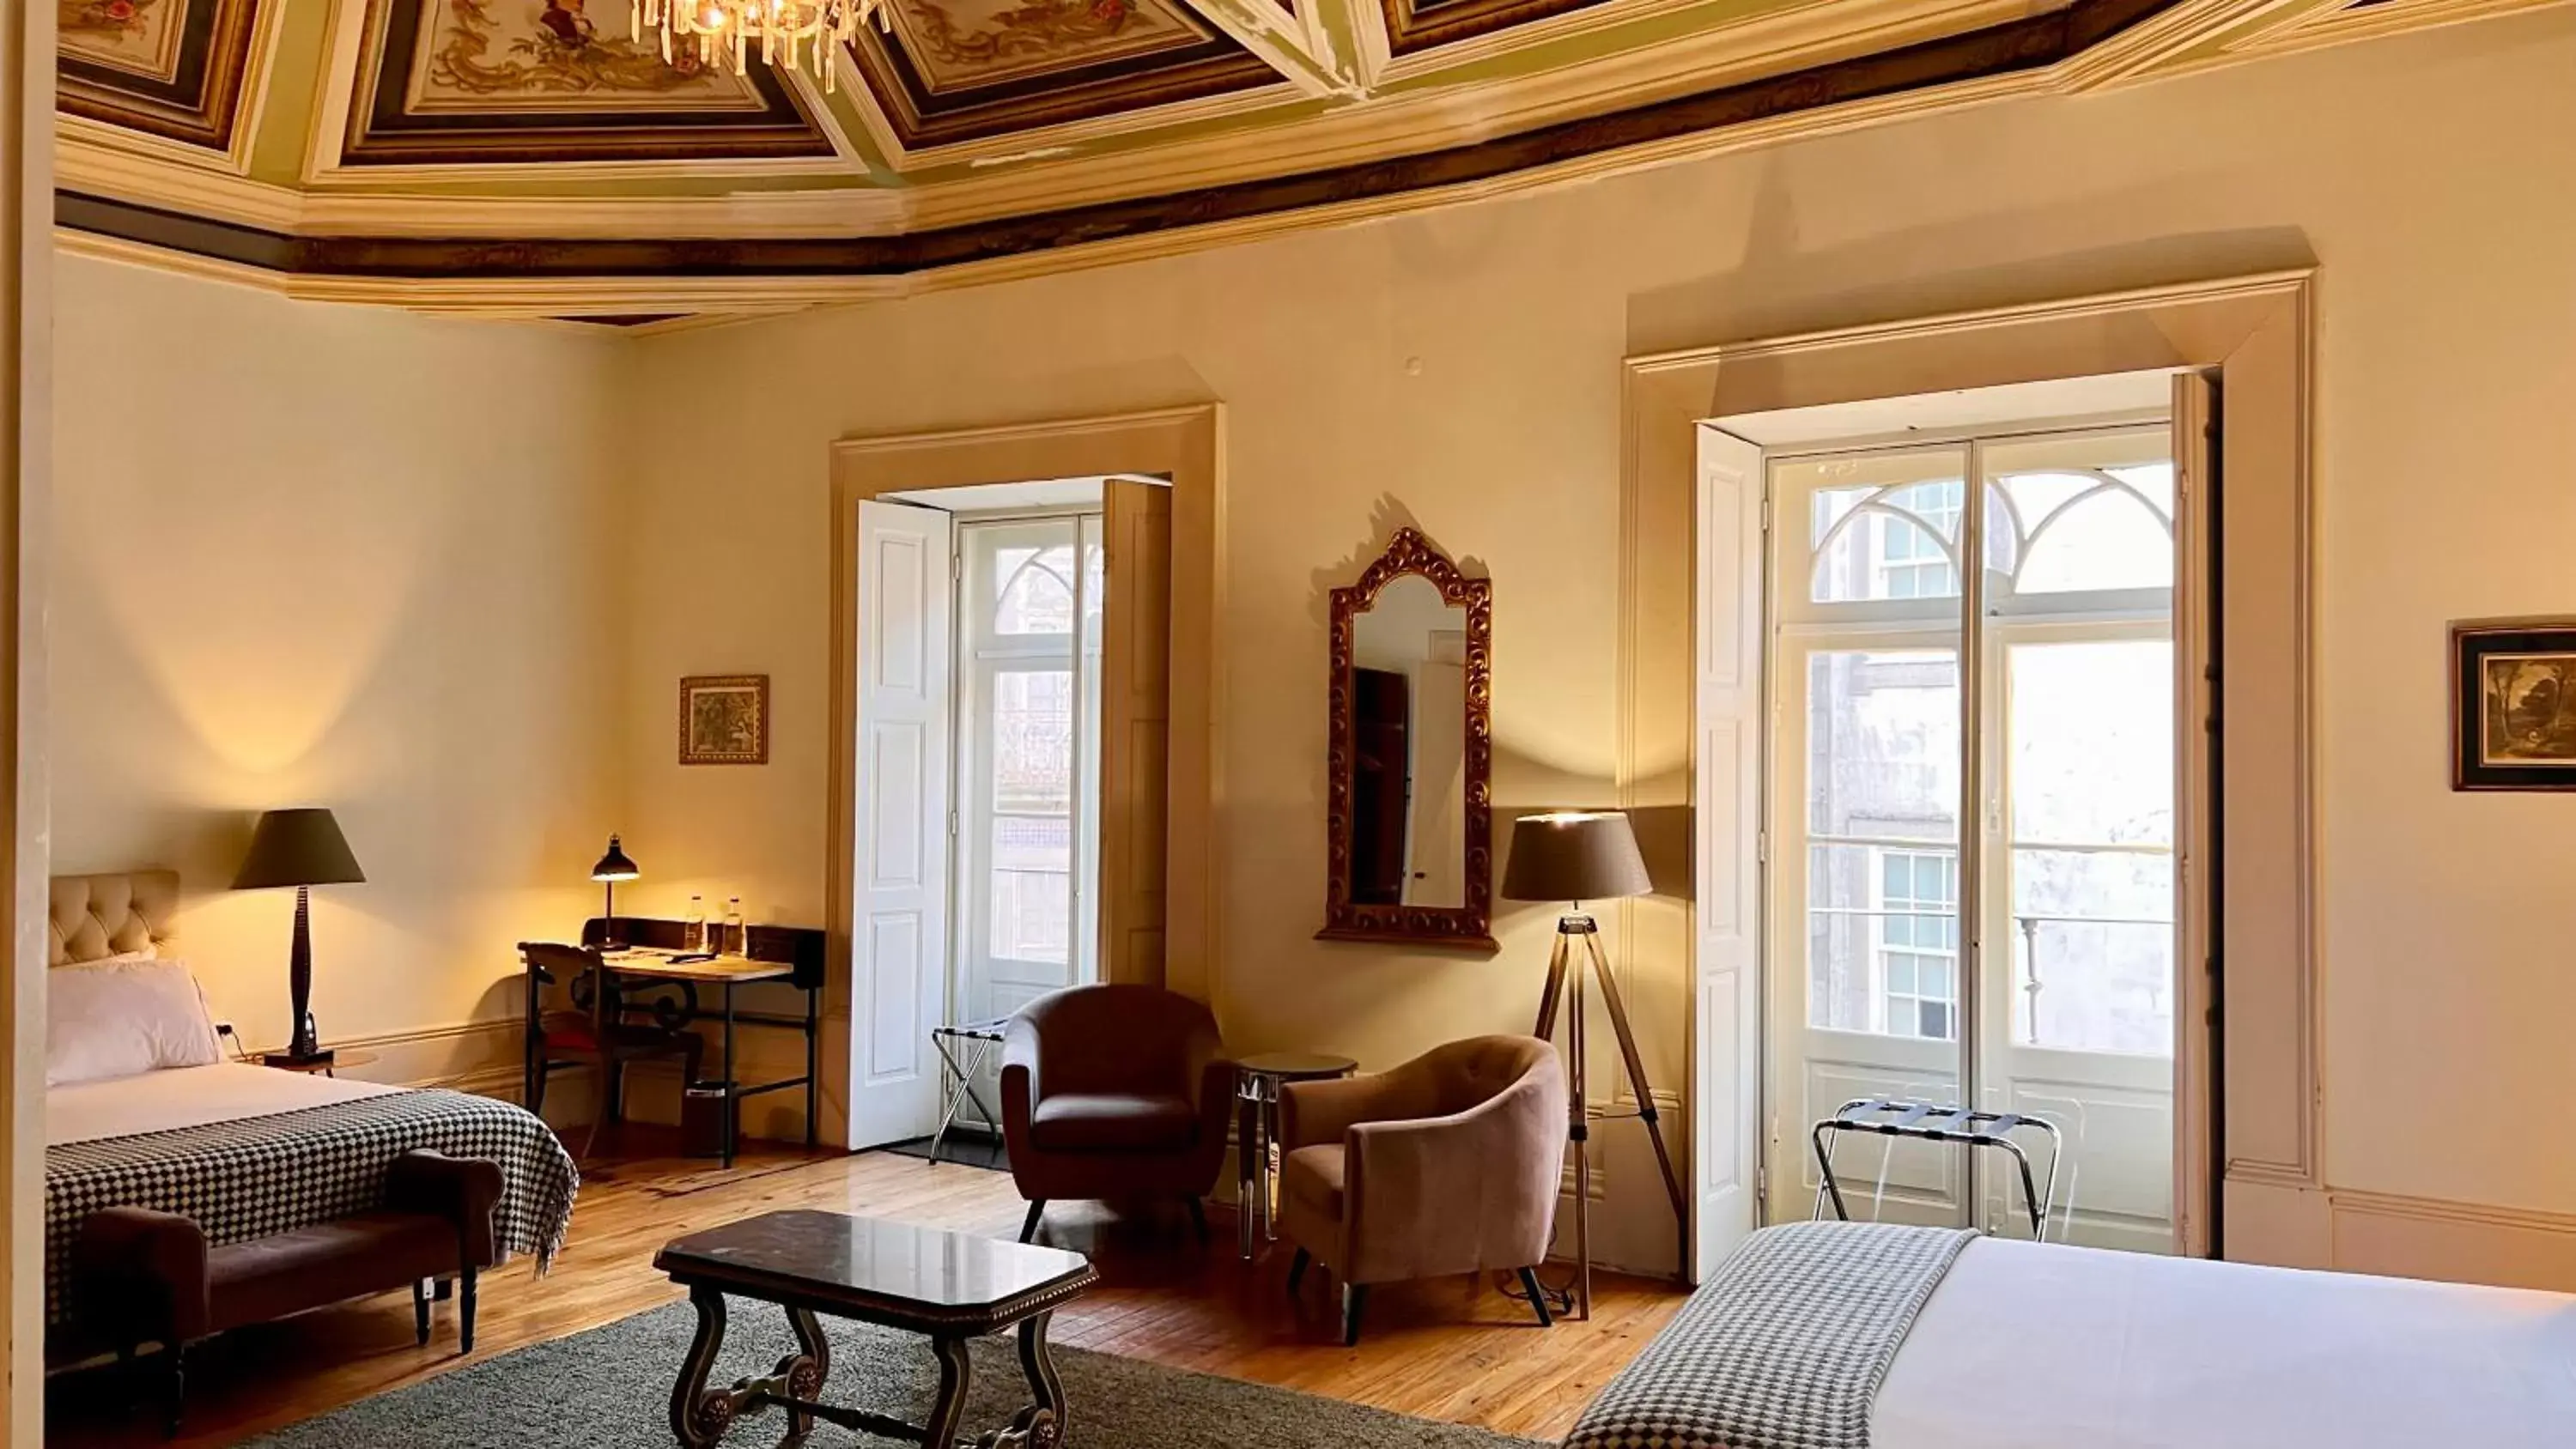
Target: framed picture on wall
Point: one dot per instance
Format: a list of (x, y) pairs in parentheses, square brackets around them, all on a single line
[(724, 719), (2513, 704)]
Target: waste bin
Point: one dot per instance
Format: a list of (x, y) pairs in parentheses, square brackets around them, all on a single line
[(702, 1118)]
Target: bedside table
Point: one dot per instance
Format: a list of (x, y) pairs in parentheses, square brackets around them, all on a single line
[(327, 1066)]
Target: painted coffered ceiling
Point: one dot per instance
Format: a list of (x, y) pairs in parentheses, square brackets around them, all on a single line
[(527, 155)]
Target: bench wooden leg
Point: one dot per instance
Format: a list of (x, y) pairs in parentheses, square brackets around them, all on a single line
[(174, 1386), (420, 1310), (465, 1310)]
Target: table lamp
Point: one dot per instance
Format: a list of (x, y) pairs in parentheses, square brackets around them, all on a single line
[(612, 868), (1576, 856), (300, 848)]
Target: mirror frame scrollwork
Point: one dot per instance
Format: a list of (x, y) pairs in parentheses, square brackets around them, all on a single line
[(1468, 925)]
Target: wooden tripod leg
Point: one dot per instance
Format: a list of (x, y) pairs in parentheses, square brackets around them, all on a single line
[(1636, 1074), (1556, 962)]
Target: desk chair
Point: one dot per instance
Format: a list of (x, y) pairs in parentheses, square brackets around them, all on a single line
[(599, 1037)]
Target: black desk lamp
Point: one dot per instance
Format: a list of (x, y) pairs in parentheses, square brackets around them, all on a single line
[(300, 848), (612, 868)]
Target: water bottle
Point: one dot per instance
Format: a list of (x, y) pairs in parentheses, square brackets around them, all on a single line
[(693, 930), (733, 937)]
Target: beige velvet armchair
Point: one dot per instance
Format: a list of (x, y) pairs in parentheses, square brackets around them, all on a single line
[(1115, 1091), (1446, 1164)]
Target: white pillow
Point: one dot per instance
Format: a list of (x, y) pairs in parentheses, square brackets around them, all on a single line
[(121, 1018)]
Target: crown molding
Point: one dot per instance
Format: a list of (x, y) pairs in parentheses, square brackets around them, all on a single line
[(749, 253)]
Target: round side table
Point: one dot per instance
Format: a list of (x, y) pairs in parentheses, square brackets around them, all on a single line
[(1257, 1082)]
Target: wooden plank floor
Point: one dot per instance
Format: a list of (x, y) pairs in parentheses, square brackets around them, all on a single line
[(1446, 1349)]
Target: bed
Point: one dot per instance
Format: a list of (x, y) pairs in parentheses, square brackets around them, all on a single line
[(1857, 1334), (249, 1151)]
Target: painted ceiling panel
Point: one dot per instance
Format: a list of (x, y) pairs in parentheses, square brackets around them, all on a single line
[(960, 70), (171, 68), (450, 81)]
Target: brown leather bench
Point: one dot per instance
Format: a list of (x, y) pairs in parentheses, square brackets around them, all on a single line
[(142, 1276)]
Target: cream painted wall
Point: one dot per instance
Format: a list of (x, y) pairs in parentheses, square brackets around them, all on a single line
[(343, 556), (1458, 370)]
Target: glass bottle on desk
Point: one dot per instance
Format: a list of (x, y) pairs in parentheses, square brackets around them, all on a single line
[(733, 937), (693, 930)]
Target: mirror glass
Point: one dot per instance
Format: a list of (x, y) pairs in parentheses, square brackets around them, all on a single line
[(1408, 758)]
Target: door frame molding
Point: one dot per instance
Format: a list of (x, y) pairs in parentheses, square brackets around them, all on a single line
[(2260, 1115), (1185, 444)]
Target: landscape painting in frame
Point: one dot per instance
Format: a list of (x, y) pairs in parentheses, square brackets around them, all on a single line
[(2514, 704), (724, 719)]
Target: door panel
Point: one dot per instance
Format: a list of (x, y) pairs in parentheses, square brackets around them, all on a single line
[(900, 938)]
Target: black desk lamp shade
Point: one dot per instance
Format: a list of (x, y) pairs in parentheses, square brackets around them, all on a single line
[(299, 848), (612, 868)]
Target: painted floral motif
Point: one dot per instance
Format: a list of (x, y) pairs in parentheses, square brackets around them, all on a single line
[(1036, 27), (102, 17), (565, 55)]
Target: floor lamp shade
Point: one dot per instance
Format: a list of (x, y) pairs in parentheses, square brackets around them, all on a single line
[(1575, 855), (299, 848)]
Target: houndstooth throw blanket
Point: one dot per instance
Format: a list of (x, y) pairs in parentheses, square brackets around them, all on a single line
[(253, 1176), (1783, 1348)]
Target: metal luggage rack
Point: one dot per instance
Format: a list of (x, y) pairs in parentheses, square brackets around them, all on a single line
[(1937, 1122)]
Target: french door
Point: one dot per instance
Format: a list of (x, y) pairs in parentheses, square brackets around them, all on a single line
[(1029, 601), (1972, 816)]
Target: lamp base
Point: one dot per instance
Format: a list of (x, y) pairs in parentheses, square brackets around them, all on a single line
[(293, 1061)]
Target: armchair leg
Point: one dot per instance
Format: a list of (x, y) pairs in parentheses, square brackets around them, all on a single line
[(1354, 1300), (1537, 1297), (420, 1310), (1029, 1224), (465, 1310), (1198, 1218), (1297, 1271)]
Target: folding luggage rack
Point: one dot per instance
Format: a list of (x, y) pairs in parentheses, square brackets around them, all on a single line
[(1935, 1122)]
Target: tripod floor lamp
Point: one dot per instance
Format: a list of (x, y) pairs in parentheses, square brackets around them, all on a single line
[(1577, 856)]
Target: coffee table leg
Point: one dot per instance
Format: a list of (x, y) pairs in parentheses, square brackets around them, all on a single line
[(803, 1372), (949, 1409), (698, 1417), (1043, 1422)]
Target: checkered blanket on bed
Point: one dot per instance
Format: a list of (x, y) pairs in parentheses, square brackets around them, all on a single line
[(1783, 1348), (253, 1176)]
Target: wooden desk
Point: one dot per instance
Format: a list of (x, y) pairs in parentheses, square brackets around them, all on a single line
[(784, 955)]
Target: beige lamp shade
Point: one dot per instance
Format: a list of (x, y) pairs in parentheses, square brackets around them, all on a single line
[(1574, 855)]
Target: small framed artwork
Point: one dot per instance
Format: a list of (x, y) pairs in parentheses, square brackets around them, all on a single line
[(2513, 704), (724, 719)]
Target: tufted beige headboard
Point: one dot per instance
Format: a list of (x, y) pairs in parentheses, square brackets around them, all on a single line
[(107, 915)]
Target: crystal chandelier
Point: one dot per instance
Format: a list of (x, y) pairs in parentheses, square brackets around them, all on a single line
[(794, 32)]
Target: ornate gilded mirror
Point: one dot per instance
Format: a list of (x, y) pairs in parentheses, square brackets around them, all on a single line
[(1410, 753)]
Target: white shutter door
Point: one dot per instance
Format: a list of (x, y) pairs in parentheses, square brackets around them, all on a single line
[(899, 927), (1726, 1040)]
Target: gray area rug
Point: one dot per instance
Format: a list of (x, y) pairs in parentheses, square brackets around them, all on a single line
[(610, 1388)]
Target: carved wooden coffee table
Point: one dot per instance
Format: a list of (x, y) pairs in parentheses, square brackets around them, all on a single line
[(948, 1287)]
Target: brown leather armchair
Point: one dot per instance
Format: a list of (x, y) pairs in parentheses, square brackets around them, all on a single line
[(1117, 1092), (1447, 1164)]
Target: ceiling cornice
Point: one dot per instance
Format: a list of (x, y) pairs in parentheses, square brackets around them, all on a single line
[(894, 246)]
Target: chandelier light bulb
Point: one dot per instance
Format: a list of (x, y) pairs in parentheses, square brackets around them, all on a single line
[(795, 33)]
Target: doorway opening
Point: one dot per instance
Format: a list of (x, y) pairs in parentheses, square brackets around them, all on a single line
[(991, 618), (1974, 807)]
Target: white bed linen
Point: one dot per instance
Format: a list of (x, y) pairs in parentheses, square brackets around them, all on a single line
[(2025, 1346), (188, 1097)]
